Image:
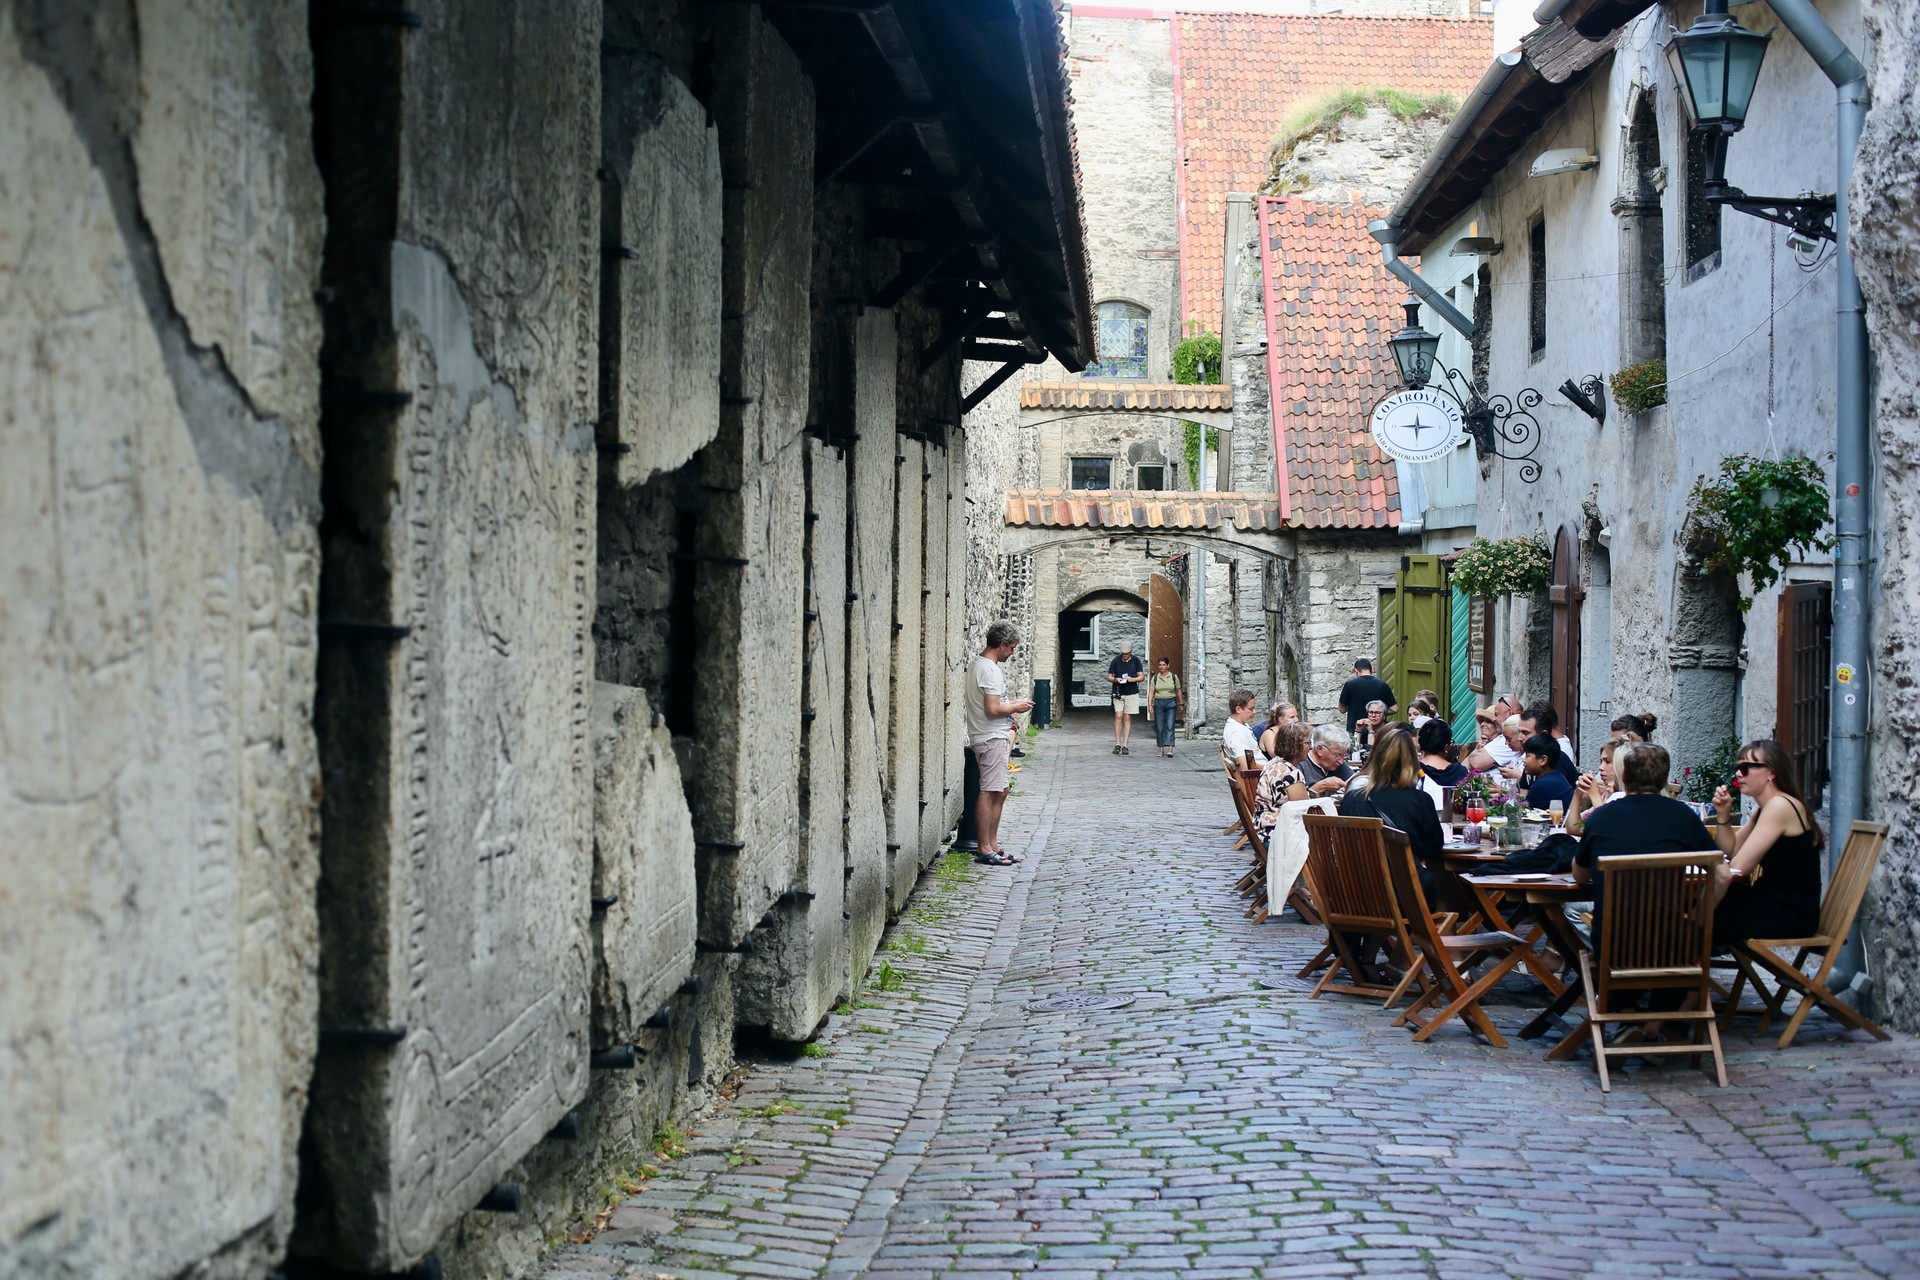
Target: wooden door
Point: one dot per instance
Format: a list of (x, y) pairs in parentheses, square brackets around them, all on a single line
[(1563, 593), (1803, 675), (1392, 634), (1166, 624), (1425, 636)]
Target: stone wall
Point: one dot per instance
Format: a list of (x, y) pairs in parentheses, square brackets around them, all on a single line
[(158, 562), (1887, 246), (1329, 614), (608, 570)]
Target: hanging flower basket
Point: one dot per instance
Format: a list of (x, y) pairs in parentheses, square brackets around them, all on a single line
[(1502, 567), (1756, 511), (1641, 386)]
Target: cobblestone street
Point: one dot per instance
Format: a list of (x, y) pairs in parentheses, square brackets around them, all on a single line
[(1220, 1124)]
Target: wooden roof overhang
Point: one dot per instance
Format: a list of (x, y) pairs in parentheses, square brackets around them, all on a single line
[(1519, 91), (962, 106)]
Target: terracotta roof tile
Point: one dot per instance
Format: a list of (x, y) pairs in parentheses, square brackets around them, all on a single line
[(1149, 509), (1332, 311), (1089, 393), (1237, 75)]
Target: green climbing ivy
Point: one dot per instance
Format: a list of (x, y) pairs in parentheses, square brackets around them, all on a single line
[(1196, 361)]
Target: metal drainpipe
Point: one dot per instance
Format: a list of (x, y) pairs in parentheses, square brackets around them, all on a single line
[(1852, 469), (1389, 237), (1200, 596)]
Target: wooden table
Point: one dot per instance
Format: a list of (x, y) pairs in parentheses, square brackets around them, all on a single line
[(1547, 896)]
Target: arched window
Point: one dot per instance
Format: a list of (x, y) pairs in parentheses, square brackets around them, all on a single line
[(1120, 334)]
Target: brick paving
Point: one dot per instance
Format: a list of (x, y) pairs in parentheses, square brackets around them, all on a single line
[(1223, 1125)]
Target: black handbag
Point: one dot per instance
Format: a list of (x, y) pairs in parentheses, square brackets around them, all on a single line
[(1553, 854)]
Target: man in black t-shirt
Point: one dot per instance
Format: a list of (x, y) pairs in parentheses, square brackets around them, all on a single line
[(1124, 673), (1639, 820), (1363, 688)]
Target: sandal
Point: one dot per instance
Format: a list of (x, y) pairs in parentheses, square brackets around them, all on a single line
[(995, 859)]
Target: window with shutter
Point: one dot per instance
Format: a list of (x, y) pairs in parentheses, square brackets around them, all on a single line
[(1805, 657)]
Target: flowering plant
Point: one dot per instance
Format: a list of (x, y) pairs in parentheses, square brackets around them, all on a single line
[(1640, 386), (1478, 788), (1758, 510), (1502, 567)]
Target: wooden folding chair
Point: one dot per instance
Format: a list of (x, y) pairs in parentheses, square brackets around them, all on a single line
[(1837, 911), (1355, 899), (1446, 955), (1655, 934)]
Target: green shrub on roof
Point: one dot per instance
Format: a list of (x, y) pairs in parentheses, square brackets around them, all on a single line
[(1324, 113)]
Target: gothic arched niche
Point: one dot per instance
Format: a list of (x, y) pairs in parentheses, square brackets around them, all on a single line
[(1706, 650)]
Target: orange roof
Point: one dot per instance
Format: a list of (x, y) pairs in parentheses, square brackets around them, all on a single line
[(1330, 310), (1236, 75), (1141, 509), (1088, 393)]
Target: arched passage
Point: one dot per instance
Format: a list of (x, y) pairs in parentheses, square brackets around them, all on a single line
[(1092, 628)]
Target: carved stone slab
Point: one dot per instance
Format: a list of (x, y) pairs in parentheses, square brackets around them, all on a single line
[(459, 823), (933, 656), (909, 671), (662, 284), (956, 646), (869, 642), (158, 846), (643, 859)]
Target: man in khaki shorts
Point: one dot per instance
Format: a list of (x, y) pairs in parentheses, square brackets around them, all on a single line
[(988, 719), (1124, 674)]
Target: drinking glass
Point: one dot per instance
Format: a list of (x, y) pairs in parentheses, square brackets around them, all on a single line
[(1558, 809), (1476, 814)]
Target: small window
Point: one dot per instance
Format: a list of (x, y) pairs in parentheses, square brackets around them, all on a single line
[(1091, 473), (1150, 477), (1083, 632), (1120, 335), (1703, 218), (1537, 288)]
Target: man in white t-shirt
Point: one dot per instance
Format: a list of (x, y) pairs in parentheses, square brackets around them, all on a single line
[(989, 716), (1236, 735)]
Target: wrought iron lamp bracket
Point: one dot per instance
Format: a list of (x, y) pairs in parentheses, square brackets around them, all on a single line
[(1503, 426), (1811, 215)]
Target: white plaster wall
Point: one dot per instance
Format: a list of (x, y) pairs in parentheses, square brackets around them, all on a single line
[(1637, 472)]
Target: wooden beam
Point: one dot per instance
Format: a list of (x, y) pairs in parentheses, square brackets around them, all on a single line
[(993, 383)]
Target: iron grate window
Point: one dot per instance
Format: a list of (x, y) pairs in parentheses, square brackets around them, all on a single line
[(1703, 217), (1805, 648)]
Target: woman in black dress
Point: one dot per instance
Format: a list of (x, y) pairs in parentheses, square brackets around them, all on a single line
[(1771, 885), (1393, 794)]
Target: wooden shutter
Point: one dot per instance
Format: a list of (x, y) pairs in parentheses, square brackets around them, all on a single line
[(1424, 634), (1564, 595), (1805, 656), (1389, 659)]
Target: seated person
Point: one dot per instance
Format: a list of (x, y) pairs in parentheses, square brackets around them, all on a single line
[(1782, 837), (1281, 713), (1434, 738), (1280, 781), (1368, 729), (1546, 781), (1640, 726), (1325, 769), (1392, 792), (1541, 718), (1236, 735), (1598, 788)]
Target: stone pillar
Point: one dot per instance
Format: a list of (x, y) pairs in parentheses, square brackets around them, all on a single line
[(159, 225), (869, 605), (1887, 246), (909, 530)]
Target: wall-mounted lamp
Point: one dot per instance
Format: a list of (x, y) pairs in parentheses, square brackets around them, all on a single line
[(1588, 396), (1561, 160)]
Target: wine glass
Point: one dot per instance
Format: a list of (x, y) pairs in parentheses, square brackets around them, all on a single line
[(1558, 809)]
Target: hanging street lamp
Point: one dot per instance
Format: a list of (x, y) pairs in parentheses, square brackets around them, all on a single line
[(1414, 348), (1715, 64)]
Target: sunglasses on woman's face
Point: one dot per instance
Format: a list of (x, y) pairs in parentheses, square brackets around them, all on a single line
[(1746, 765)]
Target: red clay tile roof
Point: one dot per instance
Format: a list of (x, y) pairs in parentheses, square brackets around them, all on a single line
[(1236, 75), (1087, 393), (1330, 310), (1141, 509)]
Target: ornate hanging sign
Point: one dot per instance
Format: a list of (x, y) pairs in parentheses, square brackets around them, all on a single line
[(1420, 424)]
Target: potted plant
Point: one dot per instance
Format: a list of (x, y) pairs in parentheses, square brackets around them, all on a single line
[(1756, 511), (1491, 567), (1640, 386)]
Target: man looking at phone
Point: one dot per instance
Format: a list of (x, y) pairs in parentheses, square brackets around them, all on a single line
[(989, 714), (1124, 673)]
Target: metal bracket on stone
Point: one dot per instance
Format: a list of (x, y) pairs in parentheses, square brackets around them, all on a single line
[(602, 905), (621, 1057), (808, 716), (612, 447), (619, 251), (662, 1018), (797, 895), (363, 1037), (503, 1197), (691, 986), (568, 1130), (697, 557), (744, 947)]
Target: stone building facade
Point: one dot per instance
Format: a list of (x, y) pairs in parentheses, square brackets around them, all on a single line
[(485, 568)]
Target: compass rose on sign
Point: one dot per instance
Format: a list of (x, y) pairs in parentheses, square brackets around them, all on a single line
[(1417, 425)]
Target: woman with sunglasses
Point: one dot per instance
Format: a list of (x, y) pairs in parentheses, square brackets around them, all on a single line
[(1782, 838)]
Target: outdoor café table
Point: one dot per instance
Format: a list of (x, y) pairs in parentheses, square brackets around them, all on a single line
[(1548, 894), (1489, 896)]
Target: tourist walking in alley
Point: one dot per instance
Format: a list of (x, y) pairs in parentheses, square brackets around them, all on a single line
[(1169, 702), (1124, 673)]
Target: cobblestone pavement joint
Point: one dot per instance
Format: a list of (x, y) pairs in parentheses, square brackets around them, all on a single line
[(1223, 1125)]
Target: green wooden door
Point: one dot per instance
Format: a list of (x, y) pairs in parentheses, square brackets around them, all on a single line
[(1389, 668), (1461, 699), (1426, 639)]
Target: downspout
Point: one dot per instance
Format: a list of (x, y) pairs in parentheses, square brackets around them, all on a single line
[(1389, 237), (1852, 470)]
